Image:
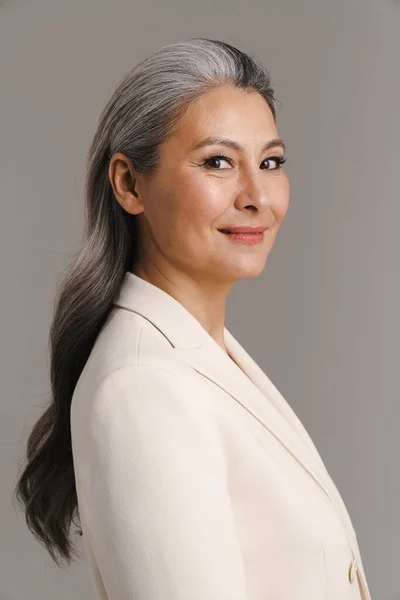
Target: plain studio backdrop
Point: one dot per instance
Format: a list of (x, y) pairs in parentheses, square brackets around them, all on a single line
[(323, 318)]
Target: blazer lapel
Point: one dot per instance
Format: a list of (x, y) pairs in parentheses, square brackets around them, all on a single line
[(248, 385), (237, 374)]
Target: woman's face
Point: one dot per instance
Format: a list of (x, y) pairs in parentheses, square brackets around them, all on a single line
[(188, 200)]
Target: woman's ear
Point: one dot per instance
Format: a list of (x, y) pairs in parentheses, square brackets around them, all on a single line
[(123, 180)]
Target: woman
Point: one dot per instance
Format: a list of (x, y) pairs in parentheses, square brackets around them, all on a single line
[(191, 476)]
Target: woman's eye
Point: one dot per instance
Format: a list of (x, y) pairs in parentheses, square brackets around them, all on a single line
[(276, 160), (218, 158)]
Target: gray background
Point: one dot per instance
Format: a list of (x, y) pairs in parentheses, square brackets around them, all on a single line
[(323, 318)]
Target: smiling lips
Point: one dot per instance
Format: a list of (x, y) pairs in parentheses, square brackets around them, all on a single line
[(246, 235), (248, 230)]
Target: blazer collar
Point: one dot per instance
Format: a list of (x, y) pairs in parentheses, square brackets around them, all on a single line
[(237, 374), (241, 377)]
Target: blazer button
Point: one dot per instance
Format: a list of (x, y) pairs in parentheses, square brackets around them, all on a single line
[(353, 570)]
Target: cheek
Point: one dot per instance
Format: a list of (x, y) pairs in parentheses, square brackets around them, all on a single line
[(162, 214), (201, 203), (179, 218), (282, 194)]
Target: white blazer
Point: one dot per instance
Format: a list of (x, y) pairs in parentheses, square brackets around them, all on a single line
[(195, 479)]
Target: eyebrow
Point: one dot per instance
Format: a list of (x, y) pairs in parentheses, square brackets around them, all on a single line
[(221, 141)]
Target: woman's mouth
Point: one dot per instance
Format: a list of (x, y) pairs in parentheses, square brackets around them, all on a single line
[(246, 238)]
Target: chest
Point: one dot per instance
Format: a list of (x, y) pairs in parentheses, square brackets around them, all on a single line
[(285, 522)]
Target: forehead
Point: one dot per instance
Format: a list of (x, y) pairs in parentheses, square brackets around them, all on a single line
[(228, 112)]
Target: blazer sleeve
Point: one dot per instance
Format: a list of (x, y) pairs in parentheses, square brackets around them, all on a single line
[(156, 503)]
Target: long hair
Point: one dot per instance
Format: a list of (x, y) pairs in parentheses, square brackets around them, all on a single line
[(139, 116)]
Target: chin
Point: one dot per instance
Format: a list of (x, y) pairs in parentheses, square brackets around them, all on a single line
[(245, 271)]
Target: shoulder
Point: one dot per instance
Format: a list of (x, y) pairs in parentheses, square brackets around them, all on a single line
[(149, 410), (127, 348)]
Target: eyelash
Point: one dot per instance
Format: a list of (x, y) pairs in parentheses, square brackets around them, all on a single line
[(279, 160)]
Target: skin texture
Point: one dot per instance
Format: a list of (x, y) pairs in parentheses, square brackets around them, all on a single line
[(181, 207)]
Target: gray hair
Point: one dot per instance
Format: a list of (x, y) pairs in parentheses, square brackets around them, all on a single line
[(137, 119)]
